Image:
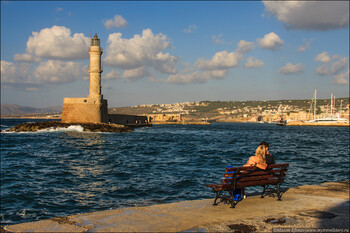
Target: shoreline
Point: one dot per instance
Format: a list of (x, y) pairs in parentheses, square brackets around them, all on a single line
[(323, 206), (291, 123)]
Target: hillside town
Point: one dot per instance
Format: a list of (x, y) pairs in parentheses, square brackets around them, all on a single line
[(247, 111), (267, 111)]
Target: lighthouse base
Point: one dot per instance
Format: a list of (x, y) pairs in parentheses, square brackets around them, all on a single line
[(84, 110)]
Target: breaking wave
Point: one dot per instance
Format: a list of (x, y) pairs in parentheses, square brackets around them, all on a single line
[(71, 128), (75, 128)]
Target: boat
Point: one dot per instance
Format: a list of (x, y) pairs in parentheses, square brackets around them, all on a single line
[(329, 119), (326, 120), (281, 122)]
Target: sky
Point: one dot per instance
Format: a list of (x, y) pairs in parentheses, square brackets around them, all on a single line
[(162, 52)]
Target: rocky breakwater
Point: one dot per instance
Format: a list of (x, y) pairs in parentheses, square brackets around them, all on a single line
[(89, 127)]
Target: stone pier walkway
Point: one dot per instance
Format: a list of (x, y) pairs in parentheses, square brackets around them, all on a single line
[(311, 206)]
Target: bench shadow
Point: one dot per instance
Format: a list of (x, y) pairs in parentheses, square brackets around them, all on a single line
[(258, 193)]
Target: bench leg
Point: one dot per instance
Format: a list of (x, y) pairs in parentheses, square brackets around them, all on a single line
[(233, 203), (263, 192), (217, 197), (279, 193)]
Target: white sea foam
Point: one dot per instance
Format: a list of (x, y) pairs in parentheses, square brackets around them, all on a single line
[(71, 128), (76, 128)]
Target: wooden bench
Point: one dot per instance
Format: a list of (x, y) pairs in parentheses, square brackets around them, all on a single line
[(241, 177)]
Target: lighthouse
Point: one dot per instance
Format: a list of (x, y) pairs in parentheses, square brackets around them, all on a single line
[(92, 109), (95, 70)]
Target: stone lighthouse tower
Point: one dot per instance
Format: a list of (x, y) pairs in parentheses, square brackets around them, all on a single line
[(92, 109), (95, 70)]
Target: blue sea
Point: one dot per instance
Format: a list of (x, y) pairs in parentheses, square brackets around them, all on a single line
[(66, 171)]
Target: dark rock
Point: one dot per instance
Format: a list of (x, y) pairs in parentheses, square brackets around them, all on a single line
[(89, 127)]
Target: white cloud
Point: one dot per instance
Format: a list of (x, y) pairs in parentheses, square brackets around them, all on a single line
[(305, 46), (14, 73), (165, 63), (328, 68), (245, 47), (118, 21), (190, 29), (55, 43), (333, 66), (221, 60), (253, 62), (112, 75), (135, 74), (218, 39), (216, 74), (197, 77), (26, 58), (141, 50), (270, 41), (289, 68), (310, 15), (55, 72), (18, 76), (342, 79), (323, 57), (8, 69), (339, 65)]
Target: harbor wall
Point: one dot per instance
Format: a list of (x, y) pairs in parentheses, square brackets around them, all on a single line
[(301, 123)]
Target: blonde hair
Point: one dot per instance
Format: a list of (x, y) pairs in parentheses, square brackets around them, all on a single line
[(260, 152)]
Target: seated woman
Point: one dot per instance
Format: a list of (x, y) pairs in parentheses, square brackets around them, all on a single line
[(269, 157), (259, 159)]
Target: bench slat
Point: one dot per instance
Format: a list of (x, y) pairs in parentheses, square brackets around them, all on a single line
[(252, 178), (283, 165), (257, 183), (257, 173), (243, 184)]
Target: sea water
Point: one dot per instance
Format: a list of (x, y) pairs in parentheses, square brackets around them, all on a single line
[(60, 172)]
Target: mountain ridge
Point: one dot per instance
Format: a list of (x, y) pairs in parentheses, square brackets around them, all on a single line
[(9, 109)]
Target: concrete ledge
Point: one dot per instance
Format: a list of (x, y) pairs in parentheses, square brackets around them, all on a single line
[(300, 123), (310, 206)]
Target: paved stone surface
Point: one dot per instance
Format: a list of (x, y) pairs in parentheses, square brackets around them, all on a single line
[(301, 207)]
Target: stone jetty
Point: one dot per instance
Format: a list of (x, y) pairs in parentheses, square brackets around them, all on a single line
[(89, 127), (309, 208)]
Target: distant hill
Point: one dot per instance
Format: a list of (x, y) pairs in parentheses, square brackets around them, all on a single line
[(9, 109)]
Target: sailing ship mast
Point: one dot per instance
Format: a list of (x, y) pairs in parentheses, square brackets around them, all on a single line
[(315, 104), (331, 105)]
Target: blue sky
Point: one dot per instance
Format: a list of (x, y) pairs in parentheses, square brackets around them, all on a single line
[(167, 52)]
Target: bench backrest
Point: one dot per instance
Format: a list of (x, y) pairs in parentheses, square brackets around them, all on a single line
[(253, 176)]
